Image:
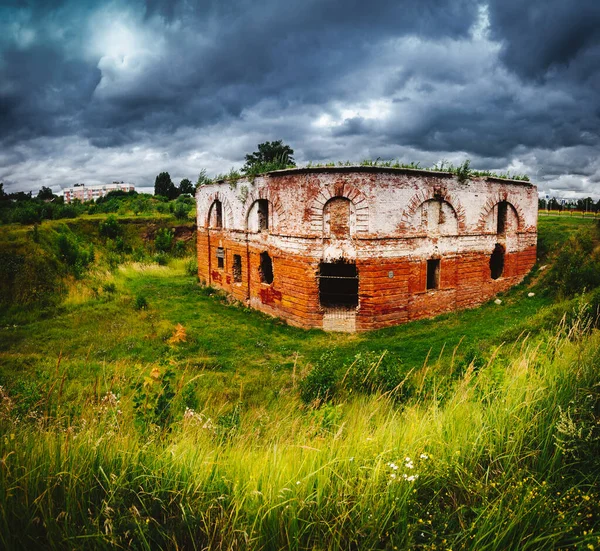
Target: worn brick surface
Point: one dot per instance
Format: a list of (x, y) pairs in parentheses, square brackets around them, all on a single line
[(388, 222)]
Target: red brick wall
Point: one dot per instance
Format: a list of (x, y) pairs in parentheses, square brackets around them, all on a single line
[(465, 282)]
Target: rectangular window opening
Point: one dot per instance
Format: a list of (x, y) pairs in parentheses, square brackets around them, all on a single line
[(433, 273), (220, 257), (338, 285), (237, 268)]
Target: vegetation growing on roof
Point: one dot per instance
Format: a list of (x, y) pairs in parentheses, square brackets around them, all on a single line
[(463, 171)]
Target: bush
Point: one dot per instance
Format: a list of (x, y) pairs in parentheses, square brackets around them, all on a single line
[(320, 383), (110, 227), (153, 398), (577, 266), (76, 257), (141, 303), (191, 267), (180, 249), (180, 211), (367, 373), (109, 288), (163, 242)]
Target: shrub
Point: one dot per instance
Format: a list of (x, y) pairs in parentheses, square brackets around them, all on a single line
[(576, 267), (191, 267), (180, 249), (320, 383), (76, 257), (153, 398), (163, 242), (109, 288), (110, 227), (180, 211), (161, 259), (374, 372), (141, 303)]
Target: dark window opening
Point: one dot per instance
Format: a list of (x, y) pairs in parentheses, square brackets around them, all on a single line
[(263, 215), (218, 220), (220, 257), (433, 273), (237, 268), (338, 284), (266, 268), (497, 261), (502, 212)]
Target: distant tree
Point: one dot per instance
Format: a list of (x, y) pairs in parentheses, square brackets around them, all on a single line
[(542, 204), (45, 193), (553, 204), (270, 156), (20, 196), (163, 185), (3, 194), (186, 186)]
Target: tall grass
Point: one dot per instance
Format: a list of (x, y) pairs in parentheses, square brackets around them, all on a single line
[(507, 459)]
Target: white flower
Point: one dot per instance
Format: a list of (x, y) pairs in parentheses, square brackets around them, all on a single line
[(424, 456)]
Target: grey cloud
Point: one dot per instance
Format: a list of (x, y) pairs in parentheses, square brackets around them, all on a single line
[(198, 84)]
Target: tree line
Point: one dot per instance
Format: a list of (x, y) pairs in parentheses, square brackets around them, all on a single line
[(584, 205)]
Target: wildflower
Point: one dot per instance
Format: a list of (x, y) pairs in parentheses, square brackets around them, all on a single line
[(424, 456), (393, 466), (297, 482)]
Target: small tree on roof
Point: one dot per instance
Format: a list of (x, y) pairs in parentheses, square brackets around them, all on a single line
[(270, 156)]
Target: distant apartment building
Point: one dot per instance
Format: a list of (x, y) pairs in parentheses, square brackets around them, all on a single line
[(91, 193)]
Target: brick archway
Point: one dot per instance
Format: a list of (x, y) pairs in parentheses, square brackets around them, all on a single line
[(438, 192), (227, 210), (492, 202), (262, 193), (346, 191)]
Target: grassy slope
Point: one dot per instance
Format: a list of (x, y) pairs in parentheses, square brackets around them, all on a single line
[(233, 339), (486, 438)]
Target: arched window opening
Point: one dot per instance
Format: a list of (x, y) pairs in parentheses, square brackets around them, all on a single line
[(502, 214), (215, 216), (338, 284), (266, 268), (263, 215), (337, 217), (258, 217), (436, 217), (497, 261), (433, 273)]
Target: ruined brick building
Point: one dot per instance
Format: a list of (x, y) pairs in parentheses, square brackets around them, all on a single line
[(358, 248)]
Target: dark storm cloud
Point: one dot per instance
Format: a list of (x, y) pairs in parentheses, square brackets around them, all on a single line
[(231, 54), (127, 89), (541, 35)]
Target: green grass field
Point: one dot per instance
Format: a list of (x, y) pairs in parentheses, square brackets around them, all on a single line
[(139, 410)]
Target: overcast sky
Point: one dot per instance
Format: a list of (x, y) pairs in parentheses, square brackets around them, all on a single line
[(100, 91)]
